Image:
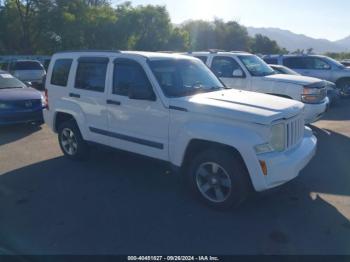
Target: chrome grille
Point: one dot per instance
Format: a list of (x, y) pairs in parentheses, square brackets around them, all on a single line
[(294, 131)]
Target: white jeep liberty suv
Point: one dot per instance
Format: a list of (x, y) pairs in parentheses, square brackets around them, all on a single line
[(173, 108)]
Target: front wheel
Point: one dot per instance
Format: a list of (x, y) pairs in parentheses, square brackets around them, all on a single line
[(71, 142), (219, 178)]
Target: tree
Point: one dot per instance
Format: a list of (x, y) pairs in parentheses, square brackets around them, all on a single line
[(47, 26), (263, 45)]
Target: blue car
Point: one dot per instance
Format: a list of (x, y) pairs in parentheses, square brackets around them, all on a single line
[(19, 103)]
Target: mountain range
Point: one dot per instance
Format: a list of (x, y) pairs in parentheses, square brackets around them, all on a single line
[(292, 41)]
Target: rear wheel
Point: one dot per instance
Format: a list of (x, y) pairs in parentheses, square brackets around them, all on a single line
[(219, 178), (71, 142)]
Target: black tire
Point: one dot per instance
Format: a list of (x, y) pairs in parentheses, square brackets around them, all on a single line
[(344, 87), (233, 168), (81, 150)]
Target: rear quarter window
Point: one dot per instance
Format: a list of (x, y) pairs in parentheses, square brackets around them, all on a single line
[(60, 72)]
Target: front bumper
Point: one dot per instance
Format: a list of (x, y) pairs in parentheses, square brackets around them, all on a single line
[(18, 117), (313, 112), (283, 167)]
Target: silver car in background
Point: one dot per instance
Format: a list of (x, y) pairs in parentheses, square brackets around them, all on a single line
[(318, 66), (29, 71)]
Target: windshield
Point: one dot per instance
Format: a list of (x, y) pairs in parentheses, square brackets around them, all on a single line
[(256, 66), (182, 77), (8, 81)]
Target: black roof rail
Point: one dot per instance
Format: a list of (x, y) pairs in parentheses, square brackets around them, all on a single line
[(235, 51), (214, 51)]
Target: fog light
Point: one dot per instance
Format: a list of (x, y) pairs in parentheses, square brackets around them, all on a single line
[(263, 167)]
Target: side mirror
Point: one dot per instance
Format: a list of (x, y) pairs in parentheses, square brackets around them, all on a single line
[(141, 93), (238, 73)]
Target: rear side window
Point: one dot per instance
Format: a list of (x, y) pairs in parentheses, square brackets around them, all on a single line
[(91, 74), (271, 61), (203, 58), (126, 74), (28, 65), (224, 66), (60, 72), (298, 62)]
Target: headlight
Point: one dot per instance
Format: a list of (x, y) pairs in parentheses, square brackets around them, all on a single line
[(277, 137), (43, 101), (313, 95), (277, 140)]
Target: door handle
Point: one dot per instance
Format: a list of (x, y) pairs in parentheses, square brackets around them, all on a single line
[(74, 95), (113, 102)]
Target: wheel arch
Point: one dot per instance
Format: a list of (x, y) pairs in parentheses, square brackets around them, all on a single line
[(341, 79), (199, 145), (61, 117)]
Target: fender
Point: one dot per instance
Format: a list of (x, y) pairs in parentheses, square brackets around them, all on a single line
[(238, 137)]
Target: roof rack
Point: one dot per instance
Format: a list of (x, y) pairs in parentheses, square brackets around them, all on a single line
[(238, 52), (214, 51), (89, 51)]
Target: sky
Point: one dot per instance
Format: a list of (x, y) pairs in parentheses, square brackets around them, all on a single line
[(328, 19)]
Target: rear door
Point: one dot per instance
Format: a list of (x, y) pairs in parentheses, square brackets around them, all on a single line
[(139, 126), (89, 93), (309, 66), (224, 66)]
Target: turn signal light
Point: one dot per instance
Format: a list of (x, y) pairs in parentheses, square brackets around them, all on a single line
[(263, 167)]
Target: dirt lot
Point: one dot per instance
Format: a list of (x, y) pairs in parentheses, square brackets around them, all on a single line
[(123, 204)]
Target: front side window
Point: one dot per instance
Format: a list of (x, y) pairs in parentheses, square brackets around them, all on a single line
[(319, 64), (91, 74), (256, 66), (127, 74), (182, 77), (224, 66), (297, 62), (308, 63), (60, 72)]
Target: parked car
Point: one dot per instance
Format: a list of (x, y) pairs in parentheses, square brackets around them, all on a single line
[(28, 71), (322, 67), (333, 93), (18, 103), (173, 108), (245, 71)]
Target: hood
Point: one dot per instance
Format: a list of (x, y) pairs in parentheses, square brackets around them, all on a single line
[(16, 94), (241, 105), (294, 79)]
